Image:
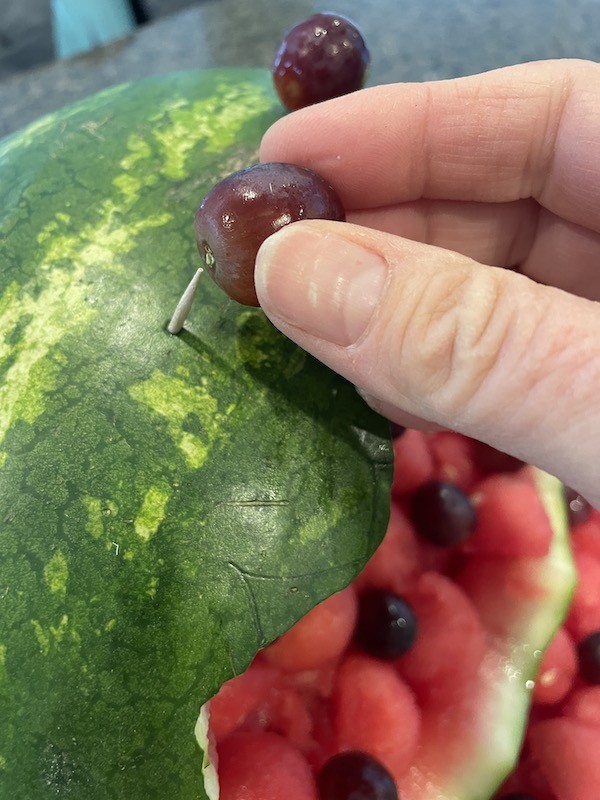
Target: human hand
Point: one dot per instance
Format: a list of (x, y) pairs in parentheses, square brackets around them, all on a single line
[(464, 292)]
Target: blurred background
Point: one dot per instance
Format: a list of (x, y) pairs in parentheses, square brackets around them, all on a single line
[(53, 52)]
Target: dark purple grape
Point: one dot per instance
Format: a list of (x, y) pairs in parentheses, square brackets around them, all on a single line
[(396, 430), (578, 508), (323, 57), (489, 460), (516, 796), (241, 211), (355, 776), (386, 626), (442, 513), (588, 653)]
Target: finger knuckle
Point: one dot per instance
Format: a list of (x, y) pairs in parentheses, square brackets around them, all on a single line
[(455, 335)]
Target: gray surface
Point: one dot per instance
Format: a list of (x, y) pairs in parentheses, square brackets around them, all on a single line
[(409, 40), (25, 35), (26, 31)]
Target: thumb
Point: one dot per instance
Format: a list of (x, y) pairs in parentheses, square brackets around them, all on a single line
[(430, 333)]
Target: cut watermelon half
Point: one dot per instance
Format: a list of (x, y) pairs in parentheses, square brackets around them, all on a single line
[(447, 727)]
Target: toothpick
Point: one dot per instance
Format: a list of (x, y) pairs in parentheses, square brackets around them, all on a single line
[(184, 305)]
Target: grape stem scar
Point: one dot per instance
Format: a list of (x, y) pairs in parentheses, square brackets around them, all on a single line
[(185, 303)]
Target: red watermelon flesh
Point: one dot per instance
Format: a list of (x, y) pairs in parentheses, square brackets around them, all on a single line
[(435, 666), (413, 462), (584, 705), (319, 638), (585, 537), (375, 711), (567, 753), (263, 766), (584, 615), (557, 671), (453, 459), (397, 561), (446, 718), (511, 519)]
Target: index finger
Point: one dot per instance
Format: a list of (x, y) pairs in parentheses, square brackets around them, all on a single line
[(532, 130)]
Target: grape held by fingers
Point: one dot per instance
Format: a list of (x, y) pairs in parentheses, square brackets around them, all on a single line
[(241, 211)]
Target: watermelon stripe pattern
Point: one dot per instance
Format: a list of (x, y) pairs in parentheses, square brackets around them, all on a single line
[(168, 505)]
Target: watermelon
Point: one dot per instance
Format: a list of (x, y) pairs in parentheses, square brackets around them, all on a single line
[(446, 719), (168, 505)]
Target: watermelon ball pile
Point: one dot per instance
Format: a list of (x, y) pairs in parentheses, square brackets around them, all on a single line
[(387, 688)]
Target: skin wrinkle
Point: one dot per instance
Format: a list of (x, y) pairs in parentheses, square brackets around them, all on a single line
[(568, 190), (464, 361), (500, 235), (418, 333), (424, 139), (565, 352), (486, 318), (554, 125), (514, 346), (478, 144), (559, 243), (526, 230)]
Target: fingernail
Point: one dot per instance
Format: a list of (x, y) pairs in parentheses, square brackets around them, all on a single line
[(316, 279)]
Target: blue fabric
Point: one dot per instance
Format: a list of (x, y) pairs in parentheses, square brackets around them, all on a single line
[(81, 25)]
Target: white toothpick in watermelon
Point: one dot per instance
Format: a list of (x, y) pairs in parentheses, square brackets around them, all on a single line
[(169, 505)]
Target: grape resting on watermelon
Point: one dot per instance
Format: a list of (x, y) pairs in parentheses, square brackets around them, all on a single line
[(171, 505)]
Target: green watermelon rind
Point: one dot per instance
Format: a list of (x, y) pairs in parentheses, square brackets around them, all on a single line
[(509, 705), (168, 505)]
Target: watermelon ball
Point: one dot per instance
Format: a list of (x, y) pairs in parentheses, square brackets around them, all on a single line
[(241, 211), (375, 712), (557, 670), (263, 766), (324, 56), (318, 638), (387, 625), (413, 463), (588, 652), (442, 513), (355, 776), (584, 705)]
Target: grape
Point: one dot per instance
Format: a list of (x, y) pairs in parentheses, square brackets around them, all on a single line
[(396, 430), (442, 513), (241, 211), (387, 625), (355, 776), (323, 57), (588, 652), (489, 460), (516, 796)]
